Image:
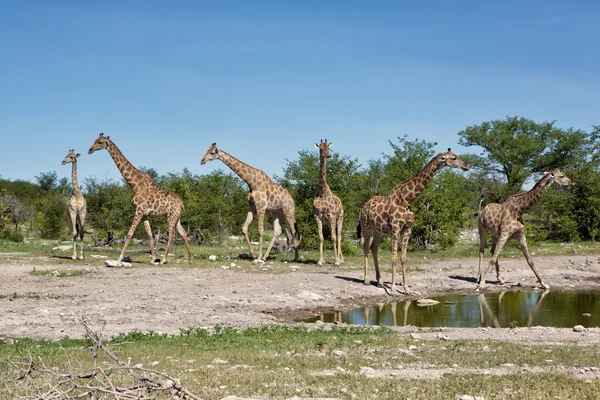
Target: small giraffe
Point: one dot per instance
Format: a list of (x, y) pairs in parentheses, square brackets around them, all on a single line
[(148, 200), (264, 196), (327, 206), (391, 215), (77, 206), (503, 221)]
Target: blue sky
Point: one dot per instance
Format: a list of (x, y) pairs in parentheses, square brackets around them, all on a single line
[(266, 79)]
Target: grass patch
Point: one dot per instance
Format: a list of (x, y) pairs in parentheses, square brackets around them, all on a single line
[(68, 273), (31, 295), (345, 362)]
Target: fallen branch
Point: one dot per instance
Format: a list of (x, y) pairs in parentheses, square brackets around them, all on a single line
[(97, 382)]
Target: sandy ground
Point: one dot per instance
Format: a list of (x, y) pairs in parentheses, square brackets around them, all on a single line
[(169, 298)]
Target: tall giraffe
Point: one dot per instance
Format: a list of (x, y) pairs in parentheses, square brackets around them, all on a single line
[(327, 206), (391, 215), (264, 196), (503, 221), (148, 200), (77, 206)]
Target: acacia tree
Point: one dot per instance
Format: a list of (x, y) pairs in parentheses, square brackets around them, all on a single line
[(515, 148)]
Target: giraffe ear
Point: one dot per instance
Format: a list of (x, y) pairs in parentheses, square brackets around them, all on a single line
[(330, 144), (316, 145), (77, 155), (108, 137)]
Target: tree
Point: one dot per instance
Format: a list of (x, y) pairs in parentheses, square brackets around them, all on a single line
[(516, 148), (47, 181)]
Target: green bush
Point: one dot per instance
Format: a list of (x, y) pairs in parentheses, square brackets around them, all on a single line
[(16, 237)]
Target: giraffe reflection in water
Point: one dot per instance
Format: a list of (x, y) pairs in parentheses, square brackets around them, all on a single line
[(493, 314)]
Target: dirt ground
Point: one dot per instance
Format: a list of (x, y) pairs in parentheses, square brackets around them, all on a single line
[(169, 298)]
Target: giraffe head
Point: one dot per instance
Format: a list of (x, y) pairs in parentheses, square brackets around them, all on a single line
[(324, 147), (211, 154), (449, 159), (100, 143), (71, 157), (556, 176)]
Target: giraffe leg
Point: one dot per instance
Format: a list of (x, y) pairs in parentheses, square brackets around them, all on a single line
[(245, 231), (320, 231), (482, 240), (366, 243), (150, 241), (73, 217), (261, 231), (405, 238), (334, 241), (339, 224), (394, 238), (499, 244), (523, 244), (184, 236), (497, 264), (375, 250), (172, 223), (82, 216), (276, 232), (136, 220)]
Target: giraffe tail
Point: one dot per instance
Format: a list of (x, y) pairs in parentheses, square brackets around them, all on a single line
[(358, 231), (480, 204)]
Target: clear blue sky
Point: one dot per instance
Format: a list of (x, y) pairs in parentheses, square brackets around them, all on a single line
[(266, 79)]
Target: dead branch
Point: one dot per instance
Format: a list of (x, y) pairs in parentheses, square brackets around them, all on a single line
[(96, 382)]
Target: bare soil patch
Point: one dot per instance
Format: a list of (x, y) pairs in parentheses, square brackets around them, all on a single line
[(168, 298)]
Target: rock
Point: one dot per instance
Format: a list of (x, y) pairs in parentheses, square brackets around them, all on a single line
[(366, 370), (128, 259), (586, 314), (427, 302), (244, 256), (212, 257), (413, 348), (415, 336), (339, 353), (306, 295), (63, 247), (232, 265), (224, 267), (258, 261), (219, 361), (117, 264), (579, 328), (441, 336)]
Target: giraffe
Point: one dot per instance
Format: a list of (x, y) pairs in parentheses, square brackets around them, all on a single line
[(77, 206), (148, 200), (391, 215), (327, 206), (264, 196), (503, 221)]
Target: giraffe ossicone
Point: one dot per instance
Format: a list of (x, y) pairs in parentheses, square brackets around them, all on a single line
[(148, 200)]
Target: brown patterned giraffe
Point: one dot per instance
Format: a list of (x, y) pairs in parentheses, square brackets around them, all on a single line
[(77, 206), (264, 196), (148, 199), (390, 215), (503, 221), (327, 206)]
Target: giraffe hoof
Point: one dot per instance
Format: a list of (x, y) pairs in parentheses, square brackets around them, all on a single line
[(545, 286), (320, 263), (73, 257), (366, 282)]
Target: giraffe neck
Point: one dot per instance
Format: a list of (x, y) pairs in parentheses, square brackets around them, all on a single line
[(76, 189), (323, 186), (524, 201), (131, 174), (252, 176), (411, 188)]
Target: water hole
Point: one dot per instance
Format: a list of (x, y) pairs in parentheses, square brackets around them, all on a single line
[(499, 310)]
